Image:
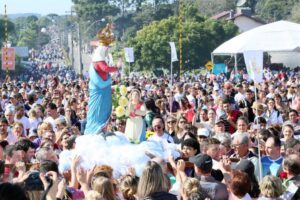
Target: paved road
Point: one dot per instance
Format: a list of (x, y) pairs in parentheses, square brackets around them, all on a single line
[(86, 59)]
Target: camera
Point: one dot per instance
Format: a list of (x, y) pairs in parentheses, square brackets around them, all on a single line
[(33, 182)]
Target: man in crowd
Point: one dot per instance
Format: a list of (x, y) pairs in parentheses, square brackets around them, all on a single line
[(203, 167)]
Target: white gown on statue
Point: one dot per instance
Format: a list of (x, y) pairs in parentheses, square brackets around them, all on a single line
[(135, 129), (115, 151)]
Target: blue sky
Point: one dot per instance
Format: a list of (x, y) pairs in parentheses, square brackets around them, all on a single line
[(43, 7)]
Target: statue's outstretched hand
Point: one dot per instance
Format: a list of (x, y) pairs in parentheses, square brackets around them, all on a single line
[(120, 63)]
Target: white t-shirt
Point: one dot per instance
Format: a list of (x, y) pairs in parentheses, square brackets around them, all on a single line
[(165, 136), (11, 138)]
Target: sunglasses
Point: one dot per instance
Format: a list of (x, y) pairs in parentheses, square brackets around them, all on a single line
[(157, 127)]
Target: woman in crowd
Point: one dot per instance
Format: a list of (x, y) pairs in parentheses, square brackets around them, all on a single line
[(191, 189), (39, 111), (152, 184), (262, 97), (239, 186), (179, 132), (287, 131), (104, 187), (170, 125), (271, 188), (281, 106), (274, 117), (293, 119), (33, 119), (200, 117), (128, 187), (43, 128), (290, 93), (18, 130), (187, 110)]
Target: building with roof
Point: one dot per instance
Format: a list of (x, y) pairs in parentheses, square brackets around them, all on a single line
[(242, 18)]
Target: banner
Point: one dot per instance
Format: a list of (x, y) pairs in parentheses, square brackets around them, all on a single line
[(173, 52), (219, 68), (8, 59), (129, 55), (254, 65)]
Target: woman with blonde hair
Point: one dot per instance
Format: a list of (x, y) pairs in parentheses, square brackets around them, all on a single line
[(191, 188), (33, 119), (128, 187), (271, 188), (39, 111), (43, 128), (152, 183)]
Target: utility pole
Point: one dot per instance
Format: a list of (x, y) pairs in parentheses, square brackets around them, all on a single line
[(79, 48), (72, 43)]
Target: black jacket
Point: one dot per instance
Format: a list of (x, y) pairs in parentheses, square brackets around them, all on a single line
[(161, 196)]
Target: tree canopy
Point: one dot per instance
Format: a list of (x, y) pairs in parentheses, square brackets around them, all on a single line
[(200, 37)]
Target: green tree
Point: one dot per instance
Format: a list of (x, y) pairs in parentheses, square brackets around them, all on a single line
[(94, 9), (44, 21), (28, 30), (270, 10), (209, 8), (199, 39), (127, 24), (295, 14), (11, 31)]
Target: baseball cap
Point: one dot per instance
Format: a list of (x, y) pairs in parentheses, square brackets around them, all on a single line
[(202, 132), (33, 133), (219, 120), (202, 161)]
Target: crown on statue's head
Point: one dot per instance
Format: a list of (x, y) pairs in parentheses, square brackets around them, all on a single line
[(105, 36)]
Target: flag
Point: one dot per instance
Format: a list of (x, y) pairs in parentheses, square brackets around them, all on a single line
[(254, 65), (129, 55), (173, 52)]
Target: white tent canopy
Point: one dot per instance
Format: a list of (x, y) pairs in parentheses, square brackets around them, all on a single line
[(281, 36)]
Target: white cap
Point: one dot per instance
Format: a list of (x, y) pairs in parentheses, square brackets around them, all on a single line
[(203, 132)]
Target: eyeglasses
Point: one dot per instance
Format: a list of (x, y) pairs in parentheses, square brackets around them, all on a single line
[(236, 145), (182, 122), (157, 127)]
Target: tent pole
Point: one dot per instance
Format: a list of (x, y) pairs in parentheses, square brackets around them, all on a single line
[(235, 65), (212, 58)]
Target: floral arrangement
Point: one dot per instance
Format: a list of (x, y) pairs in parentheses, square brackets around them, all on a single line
[(120, 101)]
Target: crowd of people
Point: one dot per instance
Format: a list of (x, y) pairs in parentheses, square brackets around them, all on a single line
[(235, 139)]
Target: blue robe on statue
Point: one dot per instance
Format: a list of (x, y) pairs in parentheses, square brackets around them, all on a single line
[(100, 103)]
